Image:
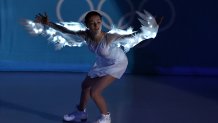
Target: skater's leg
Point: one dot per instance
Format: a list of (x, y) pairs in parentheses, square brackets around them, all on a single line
[(80, 114), (85, 93), (96, 92)]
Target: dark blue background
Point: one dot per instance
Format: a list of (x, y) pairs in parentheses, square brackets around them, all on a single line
[(185, 45)]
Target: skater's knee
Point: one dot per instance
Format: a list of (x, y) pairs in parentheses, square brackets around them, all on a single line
[(94, 93), (85, 86), (87, 83)]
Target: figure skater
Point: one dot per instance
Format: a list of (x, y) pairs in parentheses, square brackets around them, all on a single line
[(111, 60)]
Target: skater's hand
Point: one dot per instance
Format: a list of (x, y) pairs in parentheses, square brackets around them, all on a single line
[(43, 19)]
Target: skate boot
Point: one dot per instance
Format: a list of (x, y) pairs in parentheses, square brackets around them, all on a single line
[(76, 116), (104, 119)]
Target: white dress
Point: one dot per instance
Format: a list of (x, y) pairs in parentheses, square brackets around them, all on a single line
[(110, 59)]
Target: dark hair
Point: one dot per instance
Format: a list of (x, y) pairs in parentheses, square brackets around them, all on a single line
[(90, 14)]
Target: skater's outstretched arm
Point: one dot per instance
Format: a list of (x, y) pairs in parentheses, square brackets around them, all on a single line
[(43, 19), (129, 38)]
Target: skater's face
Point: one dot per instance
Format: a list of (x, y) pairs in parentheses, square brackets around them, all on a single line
[(95, 24)]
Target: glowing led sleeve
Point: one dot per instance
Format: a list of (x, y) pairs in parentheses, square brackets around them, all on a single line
[(129, 38), (59, 38)]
